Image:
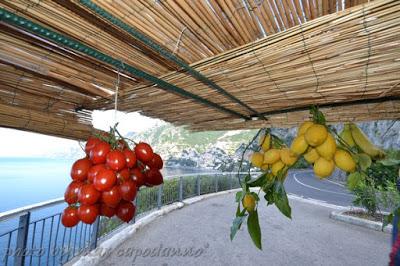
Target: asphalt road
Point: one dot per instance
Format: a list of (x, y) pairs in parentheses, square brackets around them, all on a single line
[(304, 183), (310, 238)]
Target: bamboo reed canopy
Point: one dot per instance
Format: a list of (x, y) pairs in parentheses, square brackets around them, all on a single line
[(206, 64)]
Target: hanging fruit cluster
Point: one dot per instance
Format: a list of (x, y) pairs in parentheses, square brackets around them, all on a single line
[(319, 145), (106, 181)]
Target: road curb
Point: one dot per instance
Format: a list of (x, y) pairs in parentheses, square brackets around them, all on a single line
[(107, 247), (377, 226)]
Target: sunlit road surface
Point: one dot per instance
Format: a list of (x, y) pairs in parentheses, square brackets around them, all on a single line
[(201, 231), (303, 183)]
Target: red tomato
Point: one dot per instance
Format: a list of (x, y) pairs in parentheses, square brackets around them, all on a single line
[(126, 211), (94, 171), (80, 169), (130, 158), (70, 217), (116, 160), (88, 195), (112, 197), (99, 153), (105, 180), (123, 175), (128, 190), (154, 178), (107, 211), (143, 152), (91, 142), (138, 177), (88, 213), (155, 162), (71, 193)]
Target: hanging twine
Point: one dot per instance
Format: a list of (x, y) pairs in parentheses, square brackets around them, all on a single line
[(116, 97), (178, 42)]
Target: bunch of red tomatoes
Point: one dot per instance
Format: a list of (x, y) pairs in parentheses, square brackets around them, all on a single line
[(106, 181)]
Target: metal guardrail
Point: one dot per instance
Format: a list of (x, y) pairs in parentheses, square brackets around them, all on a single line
[(45, 241)]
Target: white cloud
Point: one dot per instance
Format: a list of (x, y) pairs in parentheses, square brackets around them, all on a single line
[(128, 122), (16, 143)]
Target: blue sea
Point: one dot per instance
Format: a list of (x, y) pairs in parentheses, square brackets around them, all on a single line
[(26, 181)]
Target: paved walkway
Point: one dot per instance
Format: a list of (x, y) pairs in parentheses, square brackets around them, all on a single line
[(311, 238)]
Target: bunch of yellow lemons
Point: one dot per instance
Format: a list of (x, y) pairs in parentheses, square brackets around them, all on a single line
[(319, 148), (314, 143), (272, 159)]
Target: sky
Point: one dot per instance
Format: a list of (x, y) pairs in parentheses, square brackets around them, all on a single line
[(16, 143)]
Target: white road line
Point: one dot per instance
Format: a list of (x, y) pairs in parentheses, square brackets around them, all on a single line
[(324, 190), (318, 202), (333, 182)]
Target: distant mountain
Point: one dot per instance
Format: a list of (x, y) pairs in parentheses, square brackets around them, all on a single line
[(223, 149), (182, 148)]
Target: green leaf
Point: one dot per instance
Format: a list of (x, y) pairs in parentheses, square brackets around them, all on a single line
[(255, 195), (237, 222), (253, 226), (353, 180), (239, 196), (364, 160), (281, 200), (258, 182), (388, 220), (269, 193), (390, 162), (245, 186), (317, 116), (238, 210), (269, 197)]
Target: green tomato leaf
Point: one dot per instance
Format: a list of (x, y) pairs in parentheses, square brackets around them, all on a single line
[(353, 180), (253, 226), (281, 200)]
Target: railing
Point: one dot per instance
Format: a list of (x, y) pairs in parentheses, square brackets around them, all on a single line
[(45, 241)]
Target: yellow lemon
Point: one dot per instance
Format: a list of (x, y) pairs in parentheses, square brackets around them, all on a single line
[(271, 156), (265, 167), (311, 155), (288, 157), (276, 167), (265, 142), (328, 148), (249, 202), (344, 161), (299, 145), (257, 159), (316, 135), (323, 167), (303, 128)]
